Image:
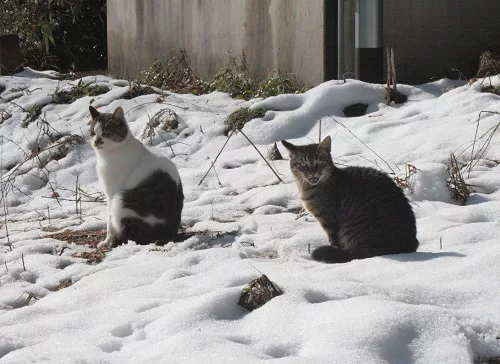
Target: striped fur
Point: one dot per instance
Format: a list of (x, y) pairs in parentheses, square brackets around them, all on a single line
[(362, 211)]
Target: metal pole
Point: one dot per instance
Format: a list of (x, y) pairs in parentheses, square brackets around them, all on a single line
[(340, 41), (369, 49)]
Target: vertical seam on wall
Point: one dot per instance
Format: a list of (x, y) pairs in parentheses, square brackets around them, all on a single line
[(330, 50)]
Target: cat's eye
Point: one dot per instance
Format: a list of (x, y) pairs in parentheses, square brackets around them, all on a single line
[(303, 164), (107, 133)]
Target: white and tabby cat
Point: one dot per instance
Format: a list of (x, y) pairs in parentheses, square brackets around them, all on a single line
[(144, 190)]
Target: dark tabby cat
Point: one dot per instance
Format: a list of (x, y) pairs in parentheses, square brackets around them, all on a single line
[(361, 209)]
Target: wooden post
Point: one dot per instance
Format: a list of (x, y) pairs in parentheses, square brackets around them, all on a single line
[(393, 71), (389, 76)]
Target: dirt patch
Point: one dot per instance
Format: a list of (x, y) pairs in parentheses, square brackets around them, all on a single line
[(90, 238), (93, 257)]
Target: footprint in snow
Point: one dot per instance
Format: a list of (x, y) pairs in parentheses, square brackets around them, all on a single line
[(111, 346), (146, 307)]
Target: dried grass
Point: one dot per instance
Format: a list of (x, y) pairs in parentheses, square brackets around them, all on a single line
[(491, 89), (93, 257), (237, 119), (486, 137), (166, 119), (64, 284), (136, 89), (32, 114), (172, 72), (460, 190), (4, 115), (407, 181), (489, 65)]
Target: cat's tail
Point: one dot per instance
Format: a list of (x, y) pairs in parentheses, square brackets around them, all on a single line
[(331, 254)]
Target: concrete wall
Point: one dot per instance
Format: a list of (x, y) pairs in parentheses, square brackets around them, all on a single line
[(429, 36), (284, 35)]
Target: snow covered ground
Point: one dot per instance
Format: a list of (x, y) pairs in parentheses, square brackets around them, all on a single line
[(178, 304)]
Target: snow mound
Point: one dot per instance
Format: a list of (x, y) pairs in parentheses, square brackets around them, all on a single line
[(178, 303)]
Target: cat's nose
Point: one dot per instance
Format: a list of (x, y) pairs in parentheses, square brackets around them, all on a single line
[(313, 179), (98, 141)]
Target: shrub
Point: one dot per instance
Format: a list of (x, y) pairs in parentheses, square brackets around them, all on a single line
[(174, 73), (58, 34), (77, 91), (237, 84), (238, 118)]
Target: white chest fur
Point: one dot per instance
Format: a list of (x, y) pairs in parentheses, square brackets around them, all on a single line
[(125, 167)]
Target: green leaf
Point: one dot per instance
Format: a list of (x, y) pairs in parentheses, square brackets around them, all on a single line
[(51, 38), (46, 41)]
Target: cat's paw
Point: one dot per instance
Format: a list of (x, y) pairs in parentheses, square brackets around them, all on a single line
[(104, 244)]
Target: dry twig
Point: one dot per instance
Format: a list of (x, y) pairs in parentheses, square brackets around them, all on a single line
[(392, 94), (407, 181), (166, 119), (217, 156), (265, 160), (482, 149), (362, 142), (460, 191)]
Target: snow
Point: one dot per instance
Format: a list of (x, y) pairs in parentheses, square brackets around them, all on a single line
[(178, 303)]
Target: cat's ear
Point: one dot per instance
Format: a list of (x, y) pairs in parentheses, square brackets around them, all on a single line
[(289, 146), (118, 115), (93, 112), (326, 144)]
